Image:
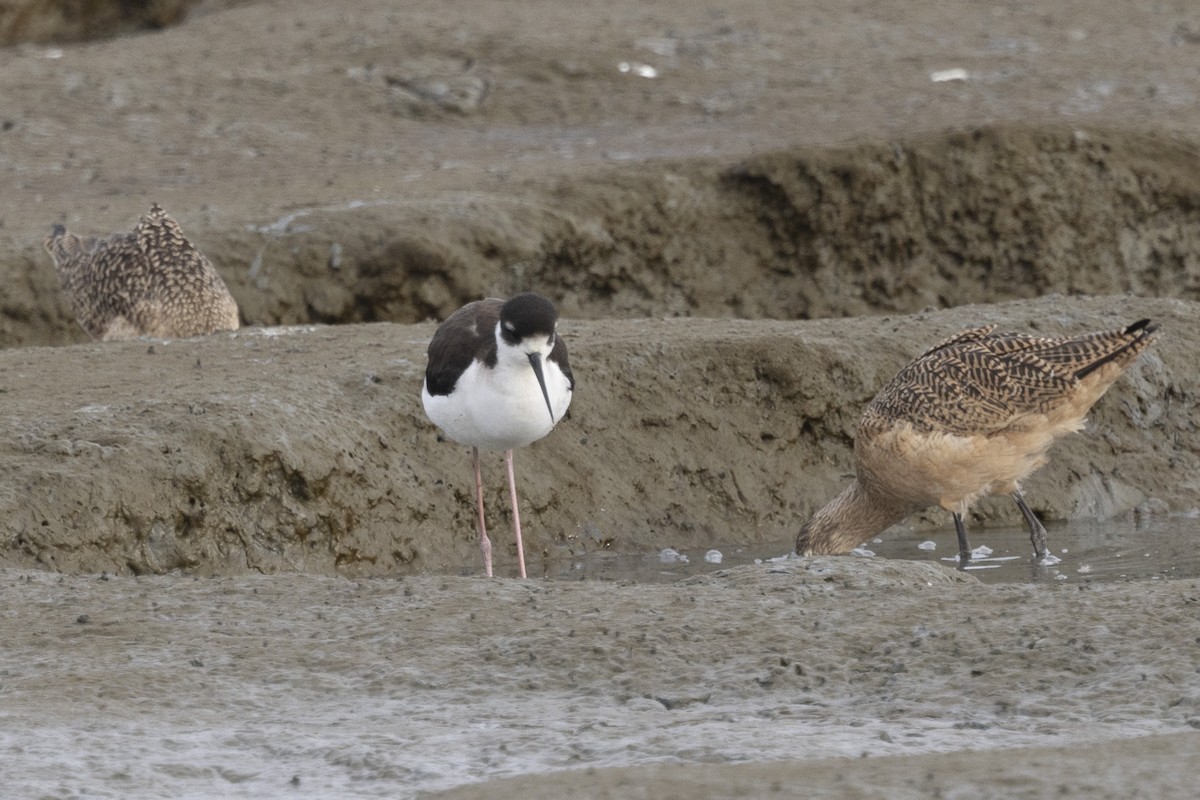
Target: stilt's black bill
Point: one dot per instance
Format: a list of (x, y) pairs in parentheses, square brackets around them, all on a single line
[(535, 361)]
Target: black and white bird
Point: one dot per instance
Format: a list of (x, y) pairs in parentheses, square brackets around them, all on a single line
[(497, 379)]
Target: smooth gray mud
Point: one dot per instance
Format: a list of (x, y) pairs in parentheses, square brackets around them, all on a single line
[(310, 686)]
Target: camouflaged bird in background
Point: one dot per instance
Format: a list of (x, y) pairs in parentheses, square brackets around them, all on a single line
[(972, 416), (149, 282)]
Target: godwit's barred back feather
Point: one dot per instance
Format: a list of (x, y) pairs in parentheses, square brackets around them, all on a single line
[(978, 382), (972, 416), (149, 282)]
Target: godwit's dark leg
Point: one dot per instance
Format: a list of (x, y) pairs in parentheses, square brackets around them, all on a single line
[(964, 547), (485, 544), (1037, 532), (512, 494)]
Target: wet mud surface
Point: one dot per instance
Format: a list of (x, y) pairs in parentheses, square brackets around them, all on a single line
[(319, 686), (750, 217), (1129, 547)]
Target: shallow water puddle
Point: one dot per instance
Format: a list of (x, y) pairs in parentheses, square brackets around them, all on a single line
[(1122, 549)]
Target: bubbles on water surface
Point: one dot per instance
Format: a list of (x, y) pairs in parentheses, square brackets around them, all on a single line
[(1117, 549), (669, 555)]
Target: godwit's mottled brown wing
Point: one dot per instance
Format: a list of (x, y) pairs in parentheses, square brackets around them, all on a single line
[(468, 333), (95, 277), (180, 268), (1082, 355), (968, 335), (66, 248), (978, 382), (151, 281)]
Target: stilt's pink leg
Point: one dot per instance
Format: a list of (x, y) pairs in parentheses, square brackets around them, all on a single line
[(485, 544), (512, 494)]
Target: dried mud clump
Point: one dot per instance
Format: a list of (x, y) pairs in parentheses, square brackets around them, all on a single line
[(81, 20)]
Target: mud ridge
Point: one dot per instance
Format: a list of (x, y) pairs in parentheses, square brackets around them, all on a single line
[(306, 448)]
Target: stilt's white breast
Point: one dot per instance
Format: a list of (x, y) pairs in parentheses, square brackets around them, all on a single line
[(481, 385), (501, 407)]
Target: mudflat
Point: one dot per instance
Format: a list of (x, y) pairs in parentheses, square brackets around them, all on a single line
[(244, 565)]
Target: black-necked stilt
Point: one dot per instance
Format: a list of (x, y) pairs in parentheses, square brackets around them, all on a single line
[(498, 379), (972, 416), (150, 282)]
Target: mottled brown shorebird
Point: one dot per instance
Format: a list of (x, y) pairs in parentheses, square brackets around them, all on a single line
[(971, 417), (149, 282)]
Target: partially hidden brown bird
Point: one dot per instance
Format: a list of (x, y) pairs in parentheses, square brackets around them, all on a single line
[(972, 416), (149, 282)]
